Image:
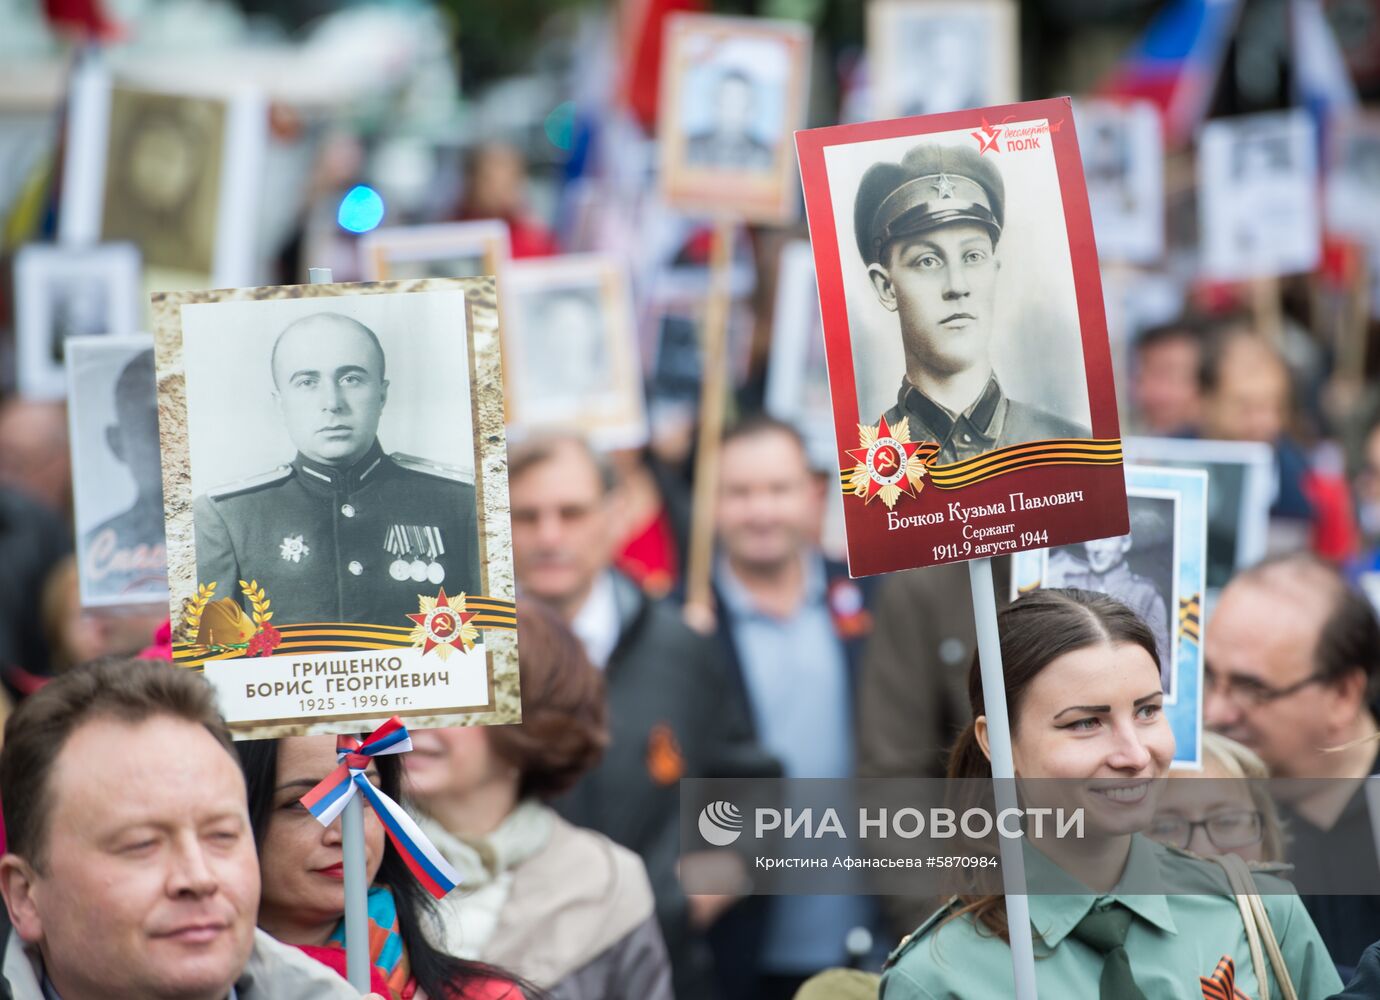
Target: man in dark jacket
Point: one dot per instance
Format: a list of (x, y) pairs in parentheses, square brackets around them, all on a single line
[(791, 626), (673, 709)]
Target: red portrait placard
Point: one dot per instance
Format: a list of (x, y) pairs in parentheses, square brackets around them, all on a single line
[(969, 367)]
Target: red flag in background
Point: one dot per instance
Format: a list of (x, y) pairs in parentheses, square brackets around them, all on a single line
[(85, 19), (644, 26)]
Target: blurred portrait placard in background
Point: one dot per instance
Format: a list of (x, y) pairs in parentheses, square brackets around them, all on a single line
[(968, 360), (797, 378), (732, 92), (929, 56), (117, 481), (1123, 160), (571, 350), (1351, 189), (1241, 487), (176, 174), (1159, 571), (1258, 196), (62, 292), (443, 250), (335, 479)]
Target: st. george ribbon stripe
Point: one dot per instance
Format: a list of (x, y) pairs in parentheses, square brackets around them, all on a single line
[(327, 800)]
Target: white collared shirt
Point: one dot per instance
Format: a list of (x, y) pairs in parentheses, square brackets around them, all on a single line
[(596, 623)]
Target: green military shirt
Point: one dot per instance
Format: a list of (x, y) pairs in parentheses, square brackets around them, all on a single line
[(1173, 940), (993, 421), (342, 545)]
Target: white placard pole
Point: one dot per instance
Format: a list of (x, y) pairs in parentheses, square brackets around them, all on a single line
[(352, 843), (1003, 775)]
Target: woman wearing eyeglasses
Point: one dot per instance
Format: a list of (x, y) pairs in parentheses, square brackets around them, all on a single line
[(1087, 726), (1224, 808)]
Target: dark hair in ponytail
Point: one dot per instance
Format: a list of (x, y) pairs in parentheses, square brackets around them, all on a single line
[(439, 975), (1036, 629)]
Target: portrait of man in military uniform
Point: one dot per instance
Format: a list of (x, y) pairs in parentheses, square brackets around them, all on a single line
[(1137, 569), (731, 144), (564, 355), (928, 231), (346, 531), (123, 557)]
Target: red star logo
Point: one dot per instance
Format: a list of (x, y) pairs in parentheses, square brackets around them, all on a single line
[(884, 461), (442, 623), (989, 139)]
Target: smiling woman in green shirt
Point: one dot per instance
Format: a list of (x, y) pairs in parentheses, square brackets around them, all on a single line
[(1083, 686)]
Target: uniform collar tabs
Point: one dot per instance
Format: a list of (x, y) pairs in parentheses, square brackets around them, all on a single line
[(332, 476), (980, 415)]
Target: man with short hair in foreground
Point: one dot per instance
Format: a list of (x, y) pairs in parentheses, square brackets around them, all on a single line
[(131, 872)]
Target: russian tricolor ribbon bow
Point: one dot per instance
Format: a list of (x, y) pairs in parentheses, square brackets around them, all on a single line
[(327, 800)]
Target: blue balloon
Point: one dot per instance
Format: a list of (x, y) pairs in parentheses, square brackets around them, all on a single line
[(360, 210)]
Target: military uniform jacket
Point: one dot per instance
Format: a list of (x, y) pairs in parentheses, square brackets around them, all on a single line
[(1137, 592), (328, 544), (1174, 938), (993, 421)]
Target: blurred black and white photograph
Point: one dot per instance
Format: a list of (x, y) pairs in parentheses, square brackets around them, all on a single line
[(1138, 569), (733, 91), (442, 250), (929, 56), (1258, 196), (797, 377), (1123, 160), (572, 350), (117, 479), (63, 292)]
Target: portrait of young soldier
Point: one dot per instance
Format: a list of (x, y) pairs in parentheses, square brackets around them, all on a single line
[(125, 553), (565, 356), (729, 144), (929, 231), (345, 532)]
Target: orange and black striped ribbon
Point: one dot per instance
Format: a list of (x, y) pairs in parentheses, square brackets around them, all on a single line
[(1032, 454), (336, 637), (1190, 617), (1221, 985)]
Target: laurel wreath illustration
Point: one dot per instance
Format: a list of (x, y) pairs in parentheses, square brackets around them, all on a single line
[(266, 637), (192, 610)]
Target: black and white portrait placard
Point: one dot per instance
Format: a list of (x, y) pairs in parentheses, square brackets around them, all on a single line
[(117, 481), (1258, 204), (1123, 160), (1159, 571), (336, 492), (442, 250), (1352, 183), (571, 348), (733, 90), (797, 376), (966, 341), (975, 334), (62, 292), (929, 56)]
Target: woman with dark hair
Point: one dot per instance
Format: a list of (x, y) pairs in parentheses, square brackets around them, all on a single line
[(565, 907), (302, 901), (1086, 707)]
